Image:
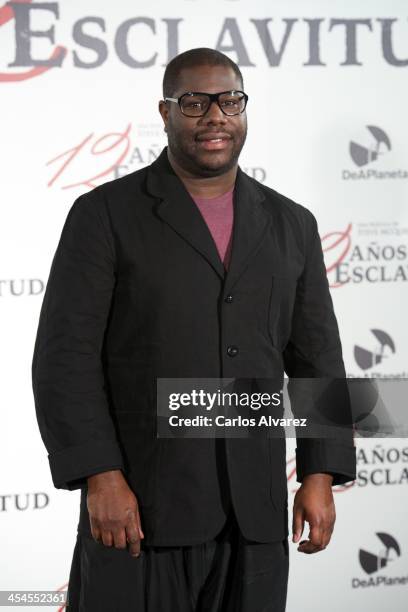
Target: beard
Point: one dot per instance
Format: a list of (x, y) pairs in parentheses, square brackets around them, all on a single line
[(200, 162)]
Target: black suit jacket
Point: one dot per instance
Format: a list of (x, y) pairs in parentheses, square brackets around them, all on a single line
[(137, 291)]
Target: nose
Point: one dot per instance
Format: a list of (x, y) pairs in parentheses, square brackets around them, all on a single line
[(214, 114)]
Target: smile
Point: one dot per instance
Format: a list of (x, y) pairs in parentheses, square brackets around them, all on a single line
[(214, 143)]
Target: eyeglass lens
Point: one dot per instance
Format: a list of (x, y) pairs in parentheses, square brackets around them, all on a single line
[(197, 105)]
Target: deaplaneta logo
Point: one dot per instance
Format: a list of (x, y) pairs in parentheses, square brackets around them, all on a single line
[(373, 562), (367, 358), (370, 153), (377, 144), (383, 557)]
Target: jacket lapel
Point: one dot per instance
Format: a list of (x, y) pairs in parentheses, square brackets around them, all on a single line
[(178, 210), (250, 223)]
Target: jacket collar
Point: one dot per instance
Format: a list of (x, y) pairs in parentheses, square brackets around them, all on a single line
[(178, 209)]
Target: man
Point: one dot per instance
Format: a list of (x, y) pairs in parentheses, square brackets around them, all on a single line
[(185, 269)]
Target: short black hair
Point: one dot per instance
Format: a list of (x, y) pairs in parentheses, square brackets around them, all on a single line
[(201, 56)]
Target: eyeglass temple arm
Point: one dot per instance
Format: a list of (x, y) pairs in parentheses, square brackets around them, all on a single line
[(171, 99)]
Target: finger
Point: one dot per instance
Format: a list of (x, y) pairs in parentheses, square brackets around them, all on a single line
[(316, 540), (134, 546), (133, 536), (139, 526), (307, 547), (96, 533), (327, 533), (107, 538), (134, 518), (119, 538), (298, 524), (316, 534), (327, 530)]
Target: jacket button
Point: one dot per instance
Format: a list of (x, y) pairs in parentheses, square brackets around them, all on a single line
[(229, 299), (232, 351)]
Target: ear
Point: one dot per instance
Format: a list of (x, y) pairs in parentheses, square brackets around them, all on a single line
[(164, 111)]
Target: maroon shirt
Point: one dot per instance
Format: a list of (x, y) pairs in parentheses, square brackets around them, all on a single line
[(218, 213)]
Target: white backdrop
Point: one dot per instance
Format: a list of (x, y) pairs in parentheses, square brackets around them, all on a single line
[(327, 85)]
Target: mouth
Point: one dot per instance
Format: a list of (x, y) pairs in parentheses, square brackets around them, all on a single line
[(214, 142)]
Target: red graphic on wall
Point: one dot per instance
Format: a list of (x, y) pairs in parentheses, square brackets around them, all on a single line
[(6, 15), (335, 247), (98, 155), (59, 590)]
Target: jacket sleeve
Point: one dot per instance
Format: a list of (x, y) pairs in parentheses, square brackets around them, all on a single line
[(70, 397), (314, 351)]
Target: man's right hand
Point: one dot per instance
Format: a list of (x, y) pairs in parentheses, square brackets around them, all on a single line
[(114, 511)]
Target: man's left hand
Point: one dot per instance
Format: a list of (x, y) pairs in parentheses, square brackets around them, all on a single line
[(314, 503)]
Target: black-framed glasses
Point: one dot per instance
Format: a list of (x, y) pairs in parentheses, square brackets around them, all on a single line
[(197, 103)]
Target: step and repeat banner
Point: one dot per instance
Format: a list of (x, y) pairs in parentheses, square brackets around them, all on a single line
[(327, 81)]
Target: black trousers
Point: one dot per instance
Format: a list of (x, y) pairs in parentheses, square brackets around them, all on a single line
[(226, 574)]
